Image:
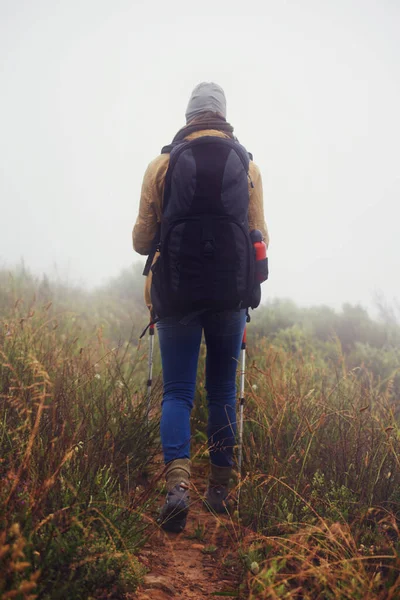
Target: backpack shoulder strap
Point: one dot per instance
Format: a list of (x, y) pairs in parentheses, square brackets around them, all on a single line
[(169, 147)]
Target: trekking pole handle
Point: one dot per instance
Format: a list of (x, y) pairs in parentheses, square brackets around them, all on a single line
[(244, 339)]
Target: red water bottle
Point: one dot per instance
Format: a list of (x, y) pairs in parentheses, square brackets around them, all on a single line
[(260, 253)]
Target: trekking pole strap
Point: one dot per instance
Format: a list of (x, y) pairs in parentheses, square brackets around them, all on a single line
[(149, 326)]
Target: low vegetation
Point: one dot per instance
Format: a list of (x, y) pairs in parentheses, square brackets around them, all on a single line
[(320, 492), (75, 445), (321, 489)]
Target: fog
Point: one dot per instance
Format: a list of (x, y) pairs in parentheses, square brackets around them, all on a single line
[(90, 90)]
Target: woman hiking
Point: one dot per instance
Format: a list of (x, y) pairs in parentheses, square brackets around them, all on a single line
[(200, 199)]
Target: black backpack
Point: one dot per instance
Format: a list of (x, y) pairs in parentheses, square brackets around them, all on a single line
[(206, 256)]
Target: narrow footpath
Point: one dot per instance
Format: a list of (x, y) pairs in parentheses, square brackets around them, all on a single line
[(201, 563)]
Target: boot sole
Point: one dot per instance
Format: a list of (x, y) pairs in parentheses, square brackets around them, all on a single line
[(220, 510), (174, 521)]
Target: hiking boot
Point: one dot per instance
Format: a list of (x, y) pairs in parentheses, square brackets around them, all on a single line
[(218, 488), (216, 497), (174, 513)]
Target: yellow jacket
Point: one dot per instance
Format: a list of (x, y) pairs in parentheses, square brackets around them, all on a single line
[(150, 209)]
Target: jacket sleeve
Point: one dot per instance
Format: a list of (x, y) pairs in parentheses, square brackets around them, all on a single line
[(150, 206), (256, 204)]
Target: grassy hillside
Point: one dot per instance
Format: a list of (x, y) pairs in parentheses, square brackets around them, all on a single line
[(319, 498)]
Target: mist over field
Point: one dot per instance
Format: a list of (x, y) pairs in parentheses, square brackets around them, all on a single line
[(91, 91)]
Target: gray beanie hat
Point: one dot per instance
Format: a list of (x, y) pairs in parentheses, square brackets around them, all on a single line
[(206, 97)]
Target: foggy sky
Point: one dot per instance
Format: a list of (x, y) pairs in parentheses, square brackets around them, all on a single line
[(90, 90)]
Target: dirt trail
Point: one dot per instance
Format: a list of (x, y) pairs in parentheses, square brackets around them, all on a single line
[(197, 564)]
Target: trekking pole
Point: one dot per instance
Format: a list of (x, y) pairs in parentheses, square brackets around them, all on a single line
[(241, 399), (150, 379)]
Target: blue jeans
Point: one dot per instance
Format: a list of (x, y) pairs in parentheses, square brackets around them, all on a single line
[(180, 345)]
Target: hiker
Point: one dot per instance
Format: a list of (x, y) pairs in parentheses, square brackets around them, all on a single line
[(200, 199)]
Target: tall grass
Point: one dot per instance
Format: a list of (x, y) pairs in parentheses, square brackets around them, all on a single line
[(320, 492), (75, 449), (322, 478)]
